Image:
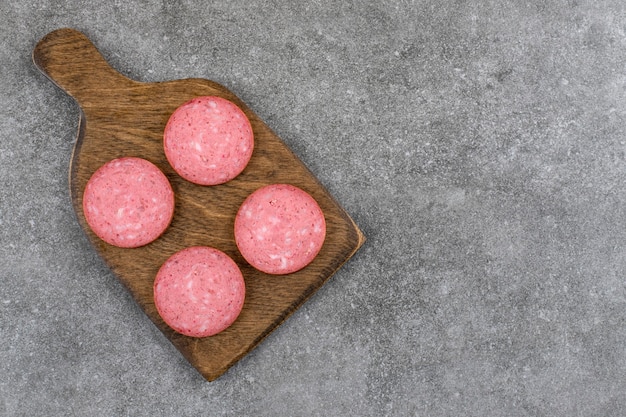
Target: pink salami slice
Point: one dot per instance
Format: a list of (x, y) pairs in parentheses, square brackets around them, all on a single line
[(128, 202), (279, 229), (199, 291), (208, 140)]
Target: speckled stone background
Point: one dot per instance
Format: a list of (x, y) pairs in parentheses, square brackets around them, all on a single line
[(480, 145)]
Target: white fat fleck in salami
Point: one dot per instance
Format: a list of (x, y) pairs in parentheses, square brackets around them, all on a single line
[(279, 229), (199, 291), (208, 140), (128, 202)]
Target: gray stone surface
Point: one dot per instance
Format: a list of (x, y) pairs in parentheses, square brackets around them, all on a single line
[(480, 145)]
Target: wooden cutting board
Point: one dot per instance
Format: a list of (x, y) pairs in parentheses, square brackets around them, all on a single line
[(122, 117)]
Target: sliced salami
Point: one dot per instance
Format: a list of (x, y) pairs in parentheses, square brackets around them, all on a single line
[(279, 229), (199, 291), (128, 202), (208, 140)]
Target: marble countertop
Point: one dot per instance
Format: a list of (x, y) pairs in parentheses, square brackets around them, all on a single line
[(480, 146)]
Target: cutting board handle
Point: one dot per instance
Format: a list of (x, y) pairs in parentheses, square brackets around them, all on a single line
[(73, 63)]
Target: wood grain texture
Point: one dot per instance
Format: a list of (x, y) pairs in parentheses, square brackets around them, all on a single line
[(122, 117)]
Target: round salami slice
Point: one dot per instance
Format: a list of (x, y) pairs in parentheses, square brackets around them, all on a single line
[(128, 202), (279, 229), (208, 140), (199, 291)]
